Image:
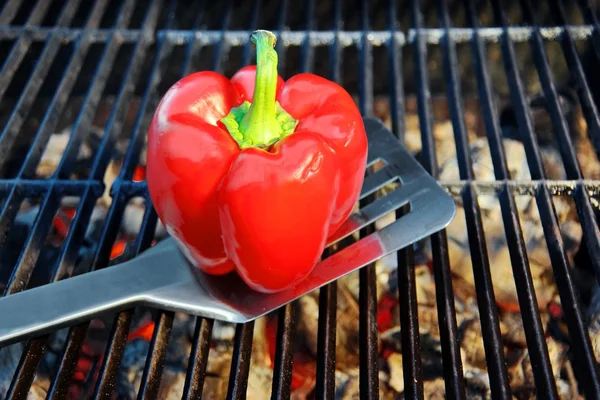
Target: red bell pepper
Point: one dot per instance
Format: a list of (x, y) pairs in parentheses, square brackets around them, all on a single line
[(254, 174)]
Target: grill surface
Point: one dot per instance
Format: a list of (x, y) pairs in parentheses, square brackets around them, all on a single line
[(53, 51)]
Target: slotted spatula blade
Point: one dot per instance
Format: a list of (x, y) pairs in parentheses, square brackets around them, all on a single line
[(161, 276)]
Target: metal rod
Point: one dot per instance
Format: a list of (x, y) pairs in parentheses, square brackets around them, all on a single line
[(453, 370), (9, 11), (113, 355), (590, 18), (165, 39), (325, 385), (23, 377), (157, 352), (397, 103), (194, 380), (490, 324), (19, 49), (409, 322), (582, 87), (369, 371), (240, 362), (67, 362), (534, 331), (284, 352)]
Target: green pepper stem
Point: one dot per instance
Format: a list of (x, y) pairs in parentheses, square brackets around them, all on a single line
[(262, 122)]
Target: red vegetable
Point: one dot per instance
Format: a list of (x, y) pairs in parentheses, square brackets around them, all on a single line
[(254, 174)]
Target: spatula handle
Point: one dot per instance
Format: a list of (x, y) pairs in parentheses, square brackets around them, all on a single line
[(53, 306)]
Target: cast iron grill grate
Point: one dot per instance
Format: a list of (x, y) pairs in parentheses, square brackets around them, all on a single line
[(66, 60)]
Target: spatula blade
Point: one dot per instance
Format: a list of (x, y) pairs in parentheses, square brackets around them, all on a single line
[(161, 276)]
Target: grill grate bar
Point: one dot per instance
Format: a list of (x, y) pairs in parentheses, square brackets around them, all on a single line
[(158, 347), (365, 78), (534, 331), (591, 233), (92, 98), (409, 316), (76, 335), (585, 363), (117, 116), (452, 363), (26, 100), (67, 362), (585, 366), (148, 104), (279, 47), (583, 90), (325, 385), (194, 380), (486, 96), (118, 338), (30, 187), (240, 361), (567, 149), (9, 11), (61, 96), (15, 197), (157, 353), (115, 213), (193, 46), (336, 48), (490, 324), (221, 40), (409, 322), (223, 46), (297, 38), (284, 351), (23, 272), (429, 159), (27, 259), (590, 18), (116, 345), (517, 91), (19, 49), (587, 218), (82, 217), (326, 335), (395, 73), (248, 50), (307, 49), (454, 95), (369, 371), (113, 355), (23, 377)]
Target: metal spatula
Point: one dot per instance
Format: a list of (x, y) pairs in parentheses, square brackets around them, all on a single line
[(161, 277)]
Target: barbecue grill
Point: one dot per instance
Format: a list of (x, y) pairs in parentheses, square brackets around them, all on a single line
[(78, 86)]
